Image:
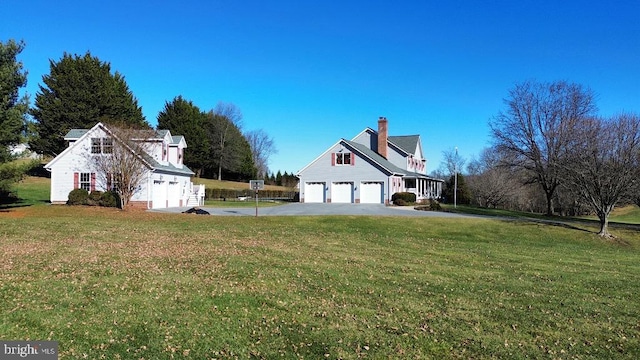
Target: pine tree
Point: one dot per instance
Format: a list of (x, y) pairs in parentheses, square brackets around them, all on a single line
[(13, 108), (184, 118), (78, 92)]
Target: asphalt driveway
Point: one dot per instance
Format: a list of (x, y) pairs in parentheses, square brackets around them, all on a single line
[(306, 209)]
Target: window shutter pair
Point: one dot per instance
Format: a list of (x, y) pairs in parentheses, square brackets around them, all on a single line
[(352, 156), (76, 181)]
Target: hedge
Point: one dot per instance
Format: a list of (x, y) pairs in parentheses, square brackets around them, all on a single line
[(216, 194)]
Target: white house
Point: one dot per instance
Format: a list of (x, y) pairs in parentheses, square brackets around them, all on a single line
[(370, 168), (167, 182)]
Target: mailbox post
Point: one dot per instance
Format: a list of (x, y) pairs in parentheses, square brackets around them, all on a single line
[(256, 185)]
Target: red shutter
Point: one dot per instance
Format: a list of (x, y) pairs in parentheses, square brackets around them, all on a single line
[(333, 159), (93, 181), (76, 180), (108, 182), (353, 159)]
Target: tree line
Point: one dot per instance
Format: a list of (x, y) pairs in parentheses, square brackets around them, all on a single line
[(80, 91), (552, 153)]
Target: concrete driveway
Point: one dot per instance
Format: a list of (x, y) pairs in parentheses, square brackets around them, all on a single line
[(306, 209)]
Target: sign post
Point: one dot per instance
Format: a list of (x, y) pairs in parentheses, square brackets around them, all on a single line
[(256, 185)]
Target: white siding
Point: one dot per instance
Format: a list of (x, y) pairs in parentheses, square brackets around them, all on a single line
[(75, 159)]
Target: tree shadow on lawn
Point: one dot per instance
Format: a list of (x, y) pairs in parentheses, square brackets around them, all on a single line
[(571, 224), (8, 204)]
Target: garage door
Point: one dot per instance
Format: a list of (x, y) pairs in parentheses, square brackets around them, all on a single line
[(159, 199), (371, 193), (342, 192), (314, 192), (174, 194)]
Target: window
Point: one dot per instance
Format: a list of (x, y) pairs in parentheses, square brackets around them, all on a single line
[(343, 158), (107, 145), (114, 182), (101, 145), (85, 181), (95, 146)]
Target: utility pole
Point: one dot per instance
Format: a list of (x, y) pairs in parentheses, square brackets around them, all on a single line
[(455, 181)]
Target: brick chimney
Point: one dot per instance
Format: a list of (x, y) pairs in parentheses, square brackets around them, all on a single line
[(382, 136)]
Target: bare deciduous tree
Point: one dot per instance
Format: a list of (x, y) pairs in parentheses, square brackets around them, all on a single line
[(223, 117), (535, 130), (604, 162), (262, 147), (119, 160), (492, 185), (452, 161)]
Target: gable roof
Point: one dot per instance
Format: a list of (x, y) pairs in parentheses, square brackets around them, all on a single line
[(75, 134), (177, 139), (375, 157), (150, 162), (406, 143)]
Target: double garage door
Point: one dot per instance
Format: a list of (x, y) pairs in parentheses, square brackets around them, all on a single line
[(343, 192)]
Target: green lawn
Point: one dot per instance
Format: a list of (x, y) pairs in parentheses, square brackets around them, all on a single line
[(111, 284)]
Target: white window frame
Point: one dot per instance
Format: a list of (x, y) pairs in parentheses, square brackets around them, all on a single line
[(343, 159), (84, 181)]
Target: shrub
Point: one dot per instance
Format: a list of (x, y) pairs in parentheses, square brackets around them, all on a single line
[(109, 199), (399, 202), (94, 198), (429, 205), (435, 206), (78, 197), (407, 197)]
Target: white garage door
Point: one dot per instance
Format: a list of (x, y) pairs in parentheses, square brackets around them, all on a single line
[(371, 193), (174, 194), (314, 192), (342, 192), (159, 199)]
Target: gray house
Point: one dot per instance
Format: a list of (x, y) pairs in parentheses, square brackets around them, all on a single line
[(369, 168)]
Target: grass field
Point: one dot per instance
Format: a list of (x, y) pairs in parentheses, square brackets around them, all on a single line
[(137, 285), (222, 184)]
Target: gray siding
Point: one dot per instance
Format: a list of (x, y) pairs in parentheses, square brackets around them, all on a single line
[(321, 170)]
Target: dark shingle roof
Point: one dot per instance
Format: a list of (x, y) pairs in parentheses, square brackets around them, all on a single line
[(375, 157), (168, 168), (175, 139), (75, 134), (407, 143)]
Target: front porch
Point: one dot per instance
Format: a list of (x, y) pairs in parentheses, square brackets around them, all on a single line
[(424, 187)]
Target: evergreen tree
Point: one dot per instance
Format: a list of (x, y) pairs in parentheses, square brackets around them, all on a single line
[(463, 193), (13, 108), (79, 92), (184, 118)]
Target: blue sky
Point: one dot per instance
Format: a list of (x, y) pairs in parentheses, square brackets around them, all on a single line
[(311, 72)]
